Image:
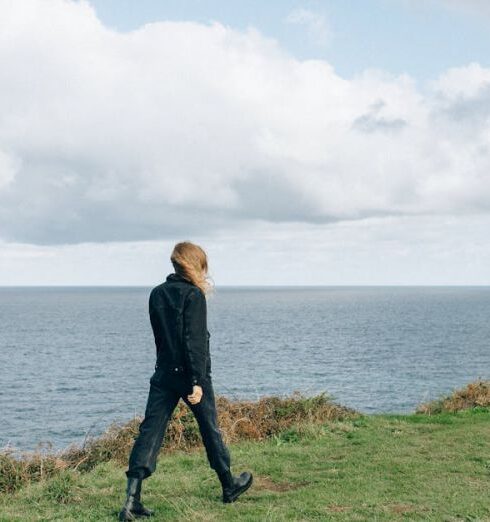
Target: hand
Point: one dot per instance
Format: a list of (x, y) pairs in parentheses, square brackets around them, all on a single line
[(196, 395)]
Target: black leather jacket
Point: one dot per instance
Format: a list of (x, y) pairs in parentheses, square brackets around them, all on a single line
[(178, 316)]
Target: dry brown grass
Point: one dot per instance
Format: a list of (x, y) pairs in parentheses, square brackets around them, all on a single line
[(475, 394), (238, 420)]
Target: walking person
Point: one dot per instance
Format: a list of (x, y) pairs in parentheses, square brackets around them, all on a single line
[(178, 316)]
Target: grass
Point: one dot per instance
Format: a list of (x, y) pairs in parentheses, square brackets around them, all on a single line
[(376, 467), (351, 467), (238, 420)]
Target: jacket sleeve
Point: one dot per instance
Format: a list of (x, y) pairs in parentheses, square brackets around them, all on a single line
[(195, 336), (151, 312)]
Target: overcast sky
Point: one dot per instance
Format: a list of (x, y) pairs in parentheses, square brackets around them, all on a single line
[(297, 142)]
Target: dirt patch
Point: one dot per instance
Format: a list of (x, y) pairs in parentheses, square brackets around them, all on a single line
[(336, 508), (403, 508), (337, 457), (267, 483)]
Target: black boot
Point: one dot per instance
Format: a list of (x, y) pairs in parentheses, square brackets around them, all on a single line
[(233, 487), (139, 508), (133, 508)]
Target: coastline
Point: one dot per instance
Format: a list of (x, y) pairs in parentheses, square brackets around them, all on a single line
[(320, 463)]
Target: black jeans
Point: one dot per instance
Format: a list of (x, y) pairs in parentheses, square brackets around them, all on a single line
[(165, 392)]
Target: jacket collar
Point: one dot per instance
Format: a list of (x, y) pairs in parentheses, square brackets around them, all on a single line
[(177, 277)]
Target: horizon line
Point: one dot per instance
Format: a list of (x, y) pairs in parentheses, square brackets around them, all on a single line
[(251, 285)]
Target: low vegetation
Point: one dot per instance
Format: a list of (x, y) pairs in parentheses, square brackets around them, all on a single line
[(238, 420), (474, 395), (311, 459)]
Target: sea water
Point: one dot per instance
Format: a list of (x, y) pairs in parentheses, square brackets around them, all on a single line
[(74, 359)]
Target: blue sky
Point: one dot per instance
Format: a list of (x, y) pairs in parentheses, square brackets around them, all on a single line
[(421, 38)]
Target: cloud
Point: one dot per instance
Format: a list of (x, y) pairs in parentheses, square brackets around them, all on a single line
[(315, 23), (180, 128), (8, 169), (403, 250), (371, 122)]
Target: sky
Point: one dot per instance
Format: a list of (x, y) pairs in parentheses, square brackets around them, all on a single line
[(299, 143)]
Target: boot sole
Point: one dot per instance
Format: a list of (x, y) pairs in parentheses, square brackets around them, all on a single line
[(239, 492), (124, 517), (134, 516)]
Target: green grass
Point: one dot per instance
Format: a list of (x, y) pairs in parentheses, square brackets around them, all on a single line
[(374, 467)]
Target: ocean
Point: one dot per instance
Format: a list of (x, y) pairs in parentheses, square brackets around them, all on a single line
[(74, 359)]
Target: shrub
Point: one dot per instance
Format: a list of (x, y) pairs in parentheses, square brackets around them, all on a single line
[(238, 420), (473, 395)]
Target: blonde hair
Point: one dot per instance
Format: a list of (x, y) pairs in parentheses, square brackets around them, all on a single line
[(191, 262)]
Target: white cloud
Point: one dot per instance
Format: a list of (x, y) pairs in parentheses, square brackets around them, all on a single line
[(8, 169), (402, 250), (462, 82), (315, 23), (180, 128)]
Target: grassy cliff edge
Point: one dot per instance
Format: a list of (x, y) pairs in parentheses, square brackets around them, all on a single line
[(312, 460)]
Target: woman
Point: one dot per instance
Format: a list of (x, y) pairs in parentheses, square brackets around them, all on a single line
[(178, 316)]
